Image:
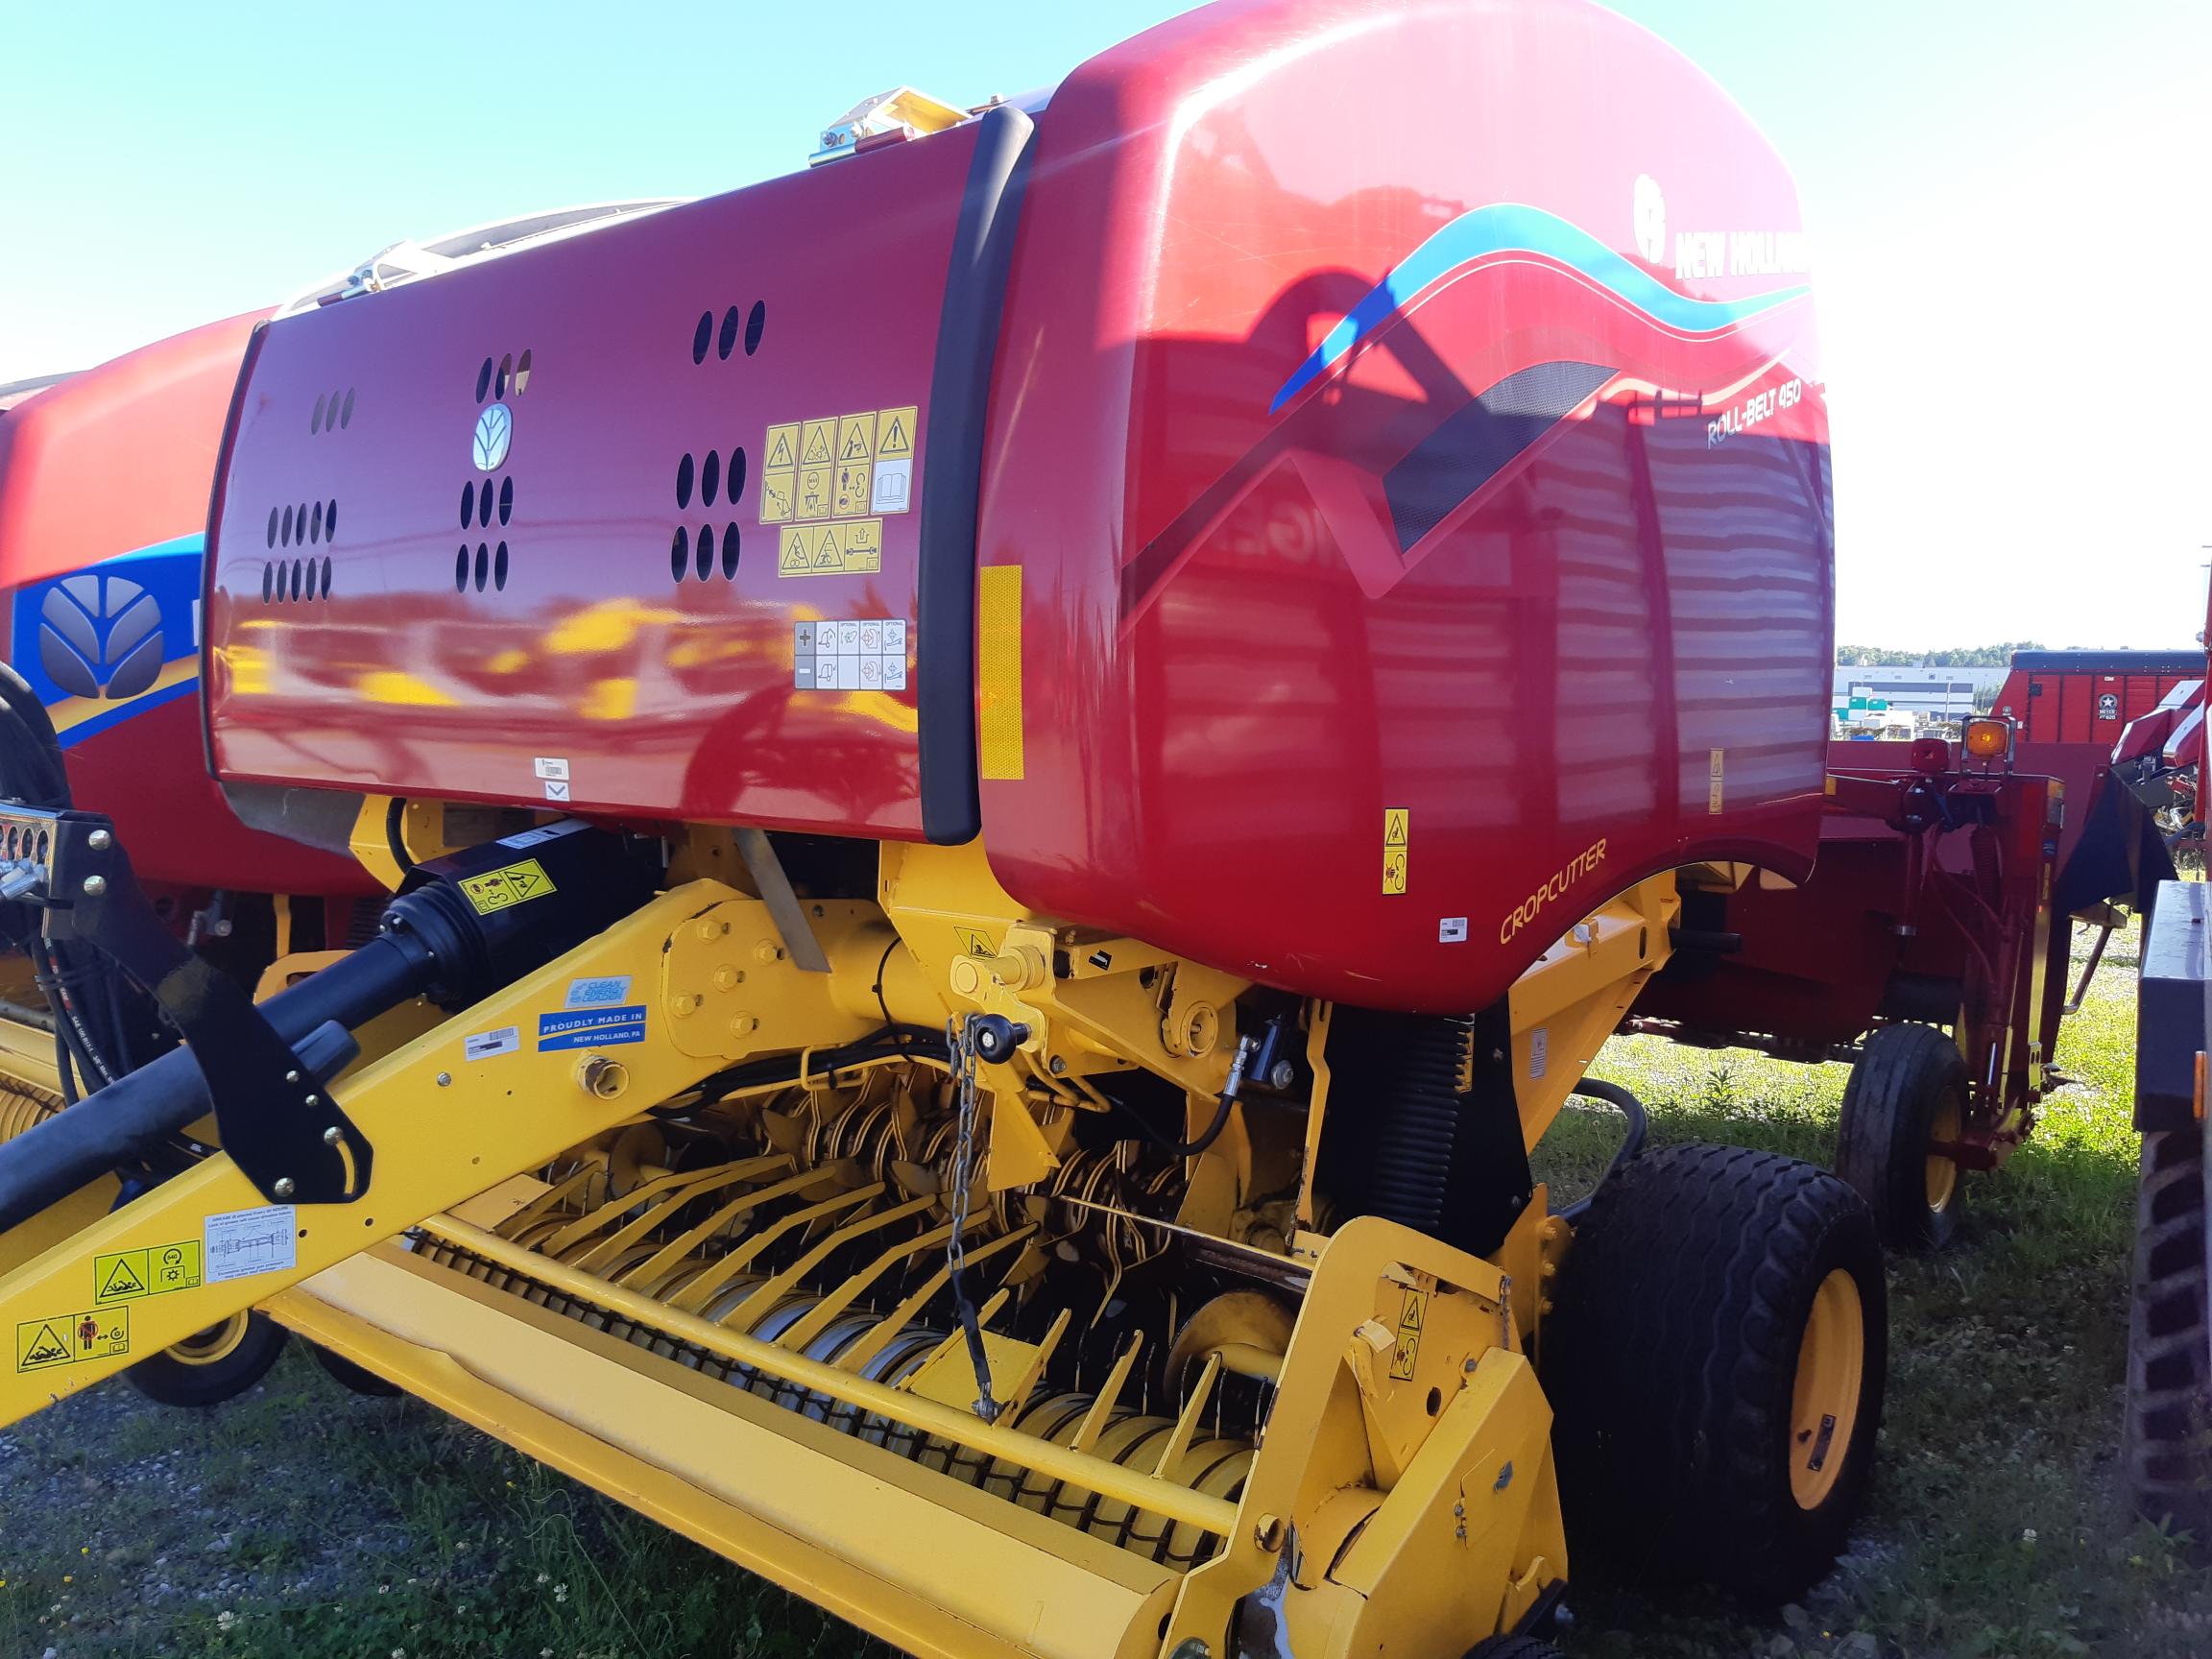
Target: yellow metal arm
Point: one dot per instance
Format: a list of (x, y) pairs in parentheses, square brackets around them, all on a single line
[(202, 1246)]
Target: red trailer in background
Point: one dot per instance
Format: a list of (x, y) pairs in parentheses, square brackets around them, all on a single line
[(2089, 696), (1942, 901)]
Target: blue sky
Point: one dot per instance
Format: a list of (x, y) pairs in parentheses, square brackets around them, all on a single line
[(2011, 200)]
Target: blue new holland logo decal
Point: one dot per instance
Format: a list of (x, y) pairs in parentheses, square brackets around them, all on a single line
[(592, 1028)]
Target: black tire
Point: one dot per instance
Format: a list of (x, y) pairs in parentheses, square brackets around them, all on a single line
[(217, 1364), (1672, 1361), (1513, 1647), (1908, 1089), (2169, 1429), (356, 1379)]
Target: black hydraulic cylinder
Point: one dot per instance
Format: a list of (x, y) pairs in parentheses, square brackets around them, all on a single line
[(115, 1126)]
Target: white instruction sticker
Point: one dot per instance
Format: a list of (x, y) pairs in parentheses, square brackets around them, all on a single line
[(1452, 930), (545, 833), (550, 767), (483, 1044), (1539, 1050), (239, 1243)]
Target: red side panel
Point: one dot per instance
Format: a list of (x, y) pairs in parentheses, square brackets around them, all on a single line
[(580, 533), (1393, 429), (104, 487), (118, 458)]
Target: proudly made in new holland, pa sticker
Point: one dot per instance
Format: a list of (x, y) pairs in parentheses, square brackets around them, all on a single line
[(591, 1028)]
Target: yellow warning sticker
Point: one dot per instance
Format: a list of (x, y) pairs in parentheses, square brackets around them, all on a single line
[(72, 1339), (1397, 825), (856, 438), (848, 466), (896, 428), (973, 942), (814, 492), (1714, 794), (855, 485), (1411, 1316), (158, 1268), (835, 550), (501, 889)]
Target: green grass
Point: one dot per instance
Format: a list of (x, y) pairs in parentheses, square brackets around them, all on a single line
[(1995, 1525), (303, 1523)]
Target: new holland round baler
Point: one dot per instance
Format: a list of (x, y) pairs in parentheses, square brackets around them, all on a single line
[(1017, 771)]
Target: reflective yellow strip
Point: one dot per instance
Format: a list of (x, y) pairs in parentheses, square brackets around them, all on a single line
[(998, 670)]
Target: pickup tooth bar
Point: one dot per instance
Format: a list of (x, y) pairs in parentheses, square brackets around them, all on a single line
[(1213, 1464)]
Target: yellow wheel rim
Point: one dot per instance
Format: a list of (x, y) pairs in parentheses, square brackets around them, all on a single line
[(213, 1345), (1946, 1125), (1824, 1403)]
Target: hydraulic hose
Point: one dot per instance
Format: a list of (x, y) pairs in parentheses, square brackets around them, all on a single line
[(1639, 1126)]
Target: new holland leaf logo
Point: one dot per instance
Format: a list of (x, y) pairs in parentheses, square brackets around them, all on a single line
[(99, 637)]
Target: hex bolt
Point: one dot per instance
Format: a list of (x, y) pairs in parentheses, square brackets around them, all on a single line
[(743, 1024), (95, 885), (1059, 1066), (333, 1135), (1282, 1075), (728, 978), (99, 840), (282, 1187), (683, 1005)]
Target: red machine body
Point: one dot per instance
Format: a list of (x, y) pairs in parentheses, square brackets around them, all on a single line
[(2089, 696), (1945, 897), (1336, 490), (104, 486)]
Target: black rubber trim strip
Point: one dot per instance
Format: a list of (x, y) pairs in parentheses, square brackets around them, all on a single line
[(217, 490), (952, 473)]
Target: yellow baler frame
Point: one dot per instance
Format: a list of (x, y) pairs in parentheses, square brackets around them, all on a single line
[(1399, 1501)]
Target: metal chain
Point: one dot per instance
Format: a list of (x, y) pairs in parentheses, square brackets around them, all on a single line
[(960, 1047)]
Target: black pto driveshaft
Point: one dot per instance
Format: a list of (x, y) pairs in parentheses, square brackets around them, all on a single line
[(449, 937)]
